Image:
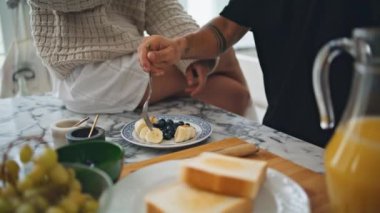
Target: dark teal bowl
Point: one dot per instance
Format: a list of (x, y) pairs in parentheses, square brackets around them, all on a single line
[(81, 134), (106, 156)]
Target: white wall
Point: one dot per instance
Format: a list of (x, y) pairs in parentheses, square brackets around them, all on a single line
[(2, 51), (254, 76), (204, 10)]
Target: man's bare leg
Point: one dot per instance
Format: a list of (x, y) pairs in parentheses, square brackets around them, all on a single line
[(225, 88), (226, 93)]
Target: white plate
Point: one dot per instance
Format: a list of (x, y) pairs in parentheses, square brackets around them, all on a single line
[(279, 193), (203, 131)]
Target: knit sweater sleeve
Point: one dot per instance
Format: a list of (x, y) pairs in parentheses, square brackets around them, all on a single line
[(68, 5), (168, 18)]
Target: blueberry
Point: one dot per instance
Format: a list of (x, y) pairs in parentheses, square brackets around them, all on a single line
[(167, 136), (162, 128), (181, 123), (170, 128), (187, 124), (169, 122), (161, 123), (171, 133), (176, 125)]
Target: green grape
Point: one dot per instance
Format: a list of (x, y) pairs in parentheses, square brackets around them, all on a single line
[(49, 187), (55, 209), (37, 174), (75, 185), (40, 203), (25, 184), (52, 192), (71, 173), (9, 190), (58, 174), (26, 153), (5, 206), (77, 197), (91, 206), (87, 196), (2, 172), (12, 169), (30, 193), (69, 205), (47, 159), (15, 201), (25, 208)]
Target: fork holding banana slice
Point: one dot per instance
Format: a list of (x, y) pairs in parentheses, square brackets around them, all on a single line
[(152, 136)]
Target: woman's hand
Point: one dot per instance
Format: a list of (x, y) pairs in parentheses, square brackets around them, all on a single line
[(156, 52)]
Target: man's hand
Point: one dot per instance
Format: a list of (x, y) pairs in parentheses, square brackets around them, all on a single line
[(156, 52), (196, 76)]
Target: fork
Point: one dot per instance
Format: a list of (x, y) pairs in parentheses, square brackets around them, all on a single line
[(144, 113)]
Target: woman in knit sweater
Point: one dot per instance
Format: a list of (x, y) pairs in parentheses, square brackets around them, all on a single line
[(90, 48)]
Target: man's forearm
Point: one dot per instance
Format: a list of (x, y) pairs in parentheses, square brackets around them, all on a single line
[(211, 40)]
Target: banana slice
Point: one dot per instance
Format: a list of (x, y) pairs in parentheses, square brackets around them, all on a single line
[(182, 134), (193, 132), (143, 132), (154, 136), (153, 119), (139, 125)]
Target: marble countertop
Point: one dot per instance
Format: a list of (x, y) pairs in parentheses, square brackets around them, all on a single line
[(32, 116)]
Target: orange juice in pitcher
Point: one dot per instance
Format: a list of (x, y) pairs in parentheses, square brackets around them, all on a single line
[(352, 156), (352, 162)]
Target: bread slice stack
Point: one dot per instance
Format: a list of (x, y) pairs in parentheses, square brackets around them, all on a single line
[(181, 198), (211, 183), (225, 175)]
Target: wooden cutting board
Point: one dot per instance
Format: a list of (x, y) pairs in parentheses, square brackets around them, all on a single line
[(313, 183)]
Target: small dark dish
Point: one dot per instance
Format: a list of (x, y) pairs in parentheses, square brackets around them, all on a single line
[(106, 156), (81, 135)]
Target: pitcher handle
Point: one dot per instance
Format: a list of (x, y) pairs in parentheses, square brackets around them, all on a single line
[(321, 84)]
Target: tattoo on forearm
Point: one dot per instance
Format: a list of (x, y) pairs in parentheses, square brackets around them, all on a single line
[(220, 39)]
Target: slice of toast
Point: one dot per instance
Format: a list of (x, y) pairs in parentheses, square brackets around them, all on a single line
[(179, 197), (224, 174)]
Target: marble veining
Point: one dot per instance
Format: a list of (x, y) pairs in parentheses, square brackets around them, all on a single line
[(32, 116)]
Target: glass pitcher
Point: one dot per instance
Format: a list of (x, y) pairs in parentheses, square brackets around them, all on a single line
[(352, 157)]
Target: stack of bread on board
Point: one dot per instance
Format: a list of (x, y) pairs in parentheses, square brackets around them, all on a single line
[(210, 182)]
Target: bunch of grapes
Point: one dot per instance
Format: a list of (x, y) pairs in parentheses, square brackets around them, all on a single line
[(48, 187)]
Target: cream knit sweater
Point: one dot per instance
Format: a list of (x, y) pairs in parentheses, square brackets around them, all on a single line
[(69, 33)]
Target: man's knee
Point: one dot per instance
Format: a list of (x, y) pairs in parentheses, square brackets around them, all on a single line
[(242, 96)]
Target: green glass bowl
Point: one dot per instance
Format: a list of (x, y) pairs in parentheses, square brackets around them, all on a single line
[(106, 156)]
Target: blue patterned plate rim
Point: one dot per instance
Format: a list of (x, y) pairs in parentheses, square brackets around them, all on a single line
[(202, 127)]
